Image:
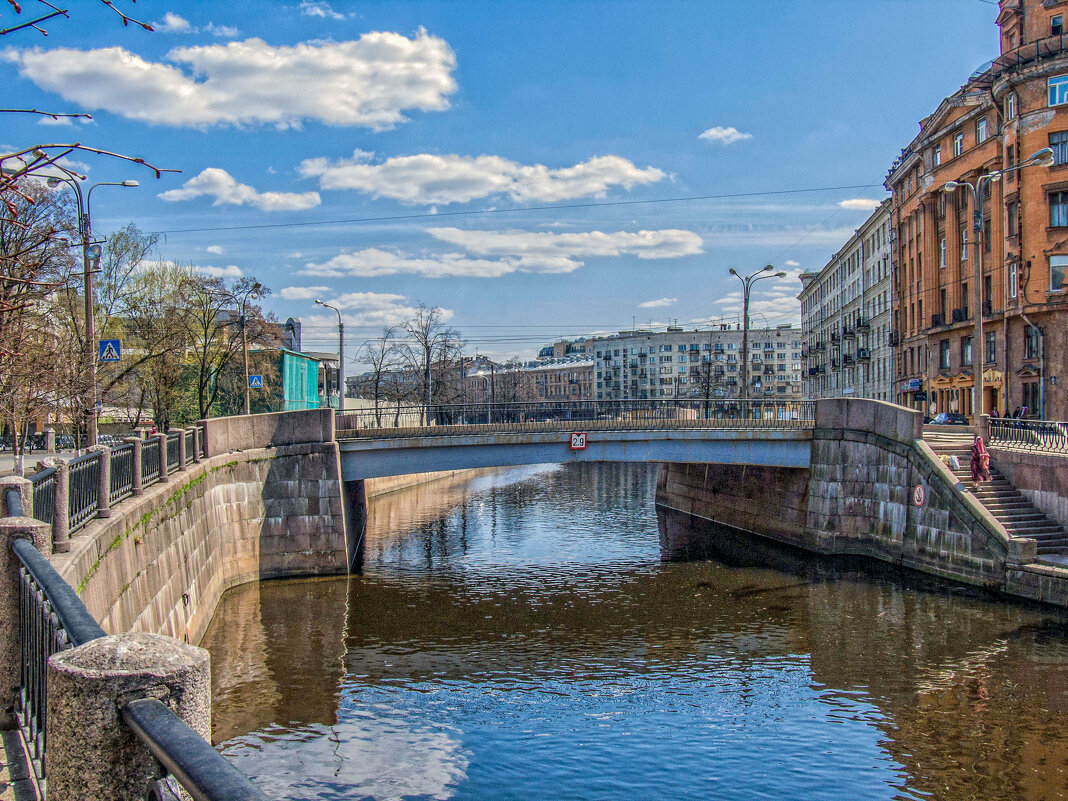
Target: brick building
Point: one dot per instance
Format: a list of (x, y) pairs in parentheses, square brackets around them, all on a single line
[(1009, 109)]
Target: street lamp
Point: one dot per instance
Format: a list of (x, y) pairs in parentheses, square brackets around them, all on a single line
[(1040, 158), (90, 254), (747, 282), (340, 356), (255, 287)]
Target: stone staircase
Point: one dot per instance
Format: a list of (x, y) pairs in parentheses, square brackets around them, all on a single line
[(1007, 505)]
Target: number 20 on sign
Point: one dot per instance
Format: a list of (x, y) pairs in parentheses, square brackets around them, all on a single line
[(578, 441)]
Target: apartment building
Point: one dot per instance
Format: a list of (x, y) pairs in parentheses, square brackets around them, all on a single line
[(1015, 263), (677, 363), (846, 317)]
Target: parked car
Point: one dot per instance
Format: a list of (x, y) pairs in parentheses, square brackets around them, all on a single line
[(950, 419)]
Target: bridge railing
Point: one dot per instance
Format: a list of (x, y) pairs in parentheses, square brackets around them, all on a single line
[(1041, 436), (453, 418)]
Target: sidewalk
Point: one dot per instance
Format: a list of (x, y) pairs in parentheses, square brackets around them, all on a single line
[(7, 460), (16, 784)]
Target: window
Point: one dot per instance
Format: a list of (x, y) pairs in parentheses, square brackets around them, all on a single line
[(980, 130), (942, 303), (990, 354), (1059, 142), (1056, 25), (1012, 280), (1057, 266), (1058, 209), (1030, 343), (1010, 107), (1058, 90), (958, 144), (1010, 159), (964, 244), (936, 156), (943, 354), (1014, 219), (965, 351), (942, 253)]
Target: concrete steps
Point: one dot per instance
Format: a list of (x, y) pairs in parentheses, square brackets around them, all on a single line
[(1004, 502)]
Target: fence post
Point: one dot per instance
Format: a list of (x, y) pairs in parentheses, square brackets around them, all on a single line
[(25, 488), (61, 507), (196, 444), (181, 447), (91, 752), (135, 464), (11, 529), (103, 490), (162, 440)]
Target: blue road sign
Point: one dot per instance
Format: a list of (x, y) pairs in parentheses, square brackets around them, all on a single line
[(109, 350), (255, 382)]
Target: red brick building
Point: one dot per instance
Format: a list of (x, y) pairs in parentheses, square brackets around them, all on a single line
[(1010, 108)]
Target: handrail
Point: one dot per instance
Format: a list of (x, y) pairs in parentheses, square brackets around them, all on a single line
[(81, 627), (14, 503), (1040, 436), (204, 773)]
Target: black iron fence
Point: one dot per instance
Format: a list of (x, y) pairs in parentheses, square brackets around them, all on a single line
[(122, 477), (1046, 436), (173, 452), (84, 497), (445, 419), (44, 494), (150, 469), (52, 618)]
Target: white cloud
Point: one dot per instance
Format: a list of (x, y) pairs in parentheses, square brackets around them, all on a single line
[(724, 136), (791, 263), (219, 184), (776, 298), (62, 121), (860, 204), (427, 178), (368, 82), (303, 292), (216, 249), (222, 31), (231, 271), (172, 23), (492, 254), (373, 309), (317, 8), (657, 304)]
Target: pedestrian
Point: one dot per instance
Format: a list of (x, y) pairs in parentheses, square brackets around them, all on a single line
[(994, 413), (980, 463), (1016, 413)]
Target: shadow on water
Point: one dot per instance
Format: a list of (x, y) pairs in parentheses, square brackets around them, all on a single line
[(549, 632)]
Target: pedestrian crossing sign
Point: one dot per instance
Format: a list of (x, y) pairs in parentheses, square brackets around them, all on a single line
[(255, 382), (109, 350)]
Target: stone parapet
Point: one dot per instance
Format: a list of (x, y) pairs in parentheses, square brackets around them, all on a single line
[(276, 429)]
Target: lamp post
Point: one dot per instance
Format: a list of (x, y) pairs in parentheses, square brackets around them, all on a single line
[(90, 253), (340, 356), (1041, 158), (256, 286), (747, 283)]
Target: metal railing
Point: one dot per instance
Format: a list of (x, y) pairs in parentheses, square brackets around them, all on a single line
[(44, 494), (1040, 436), (84, 498), (447, 419), (202, 441), (190, 446), (149, 462), (52, 618), (122, 478), (172, 452)]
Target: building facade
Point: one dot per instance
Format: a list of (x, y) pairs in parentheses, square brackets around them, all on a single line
[(846, 317), (636, 365), (1012, 270)]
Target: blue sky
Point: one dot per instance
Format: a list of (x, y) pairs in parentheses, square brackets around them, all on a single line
[(492, 151)]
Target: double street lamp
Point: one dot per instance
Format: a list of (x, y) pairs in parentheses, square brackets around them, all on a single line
[(91, 253), (255, 287), (340, 356), (747, 283), (978, 187)]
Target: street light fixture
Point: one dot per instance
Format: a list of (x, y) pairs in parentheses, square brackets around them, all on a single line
[(1040, 158), (91, 253), (340, 356), (747, 283), (255, 287)]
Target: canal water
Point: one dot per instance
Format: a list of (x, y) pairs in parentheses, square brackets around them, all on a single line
[(538, 633)]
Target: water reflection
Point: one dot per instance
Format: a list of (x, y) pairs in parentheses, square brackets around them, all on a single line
[(532, 634)]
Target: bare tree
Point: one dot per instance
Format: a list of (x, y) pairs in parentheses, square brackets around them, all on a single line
[(383, 357), (430, 346)]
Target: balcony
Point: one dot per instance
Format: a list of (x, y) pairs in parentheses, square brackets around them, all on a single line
[(834, 337), (937, 320), (863, 325), (893, 339), (820, 346), (863, 355), (848, 360), (960, 315), (834, 364), (813, 371), (848, 333)]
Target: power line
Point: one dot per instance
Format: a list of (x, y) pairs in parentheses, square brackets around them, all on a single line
[(478, 212)]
